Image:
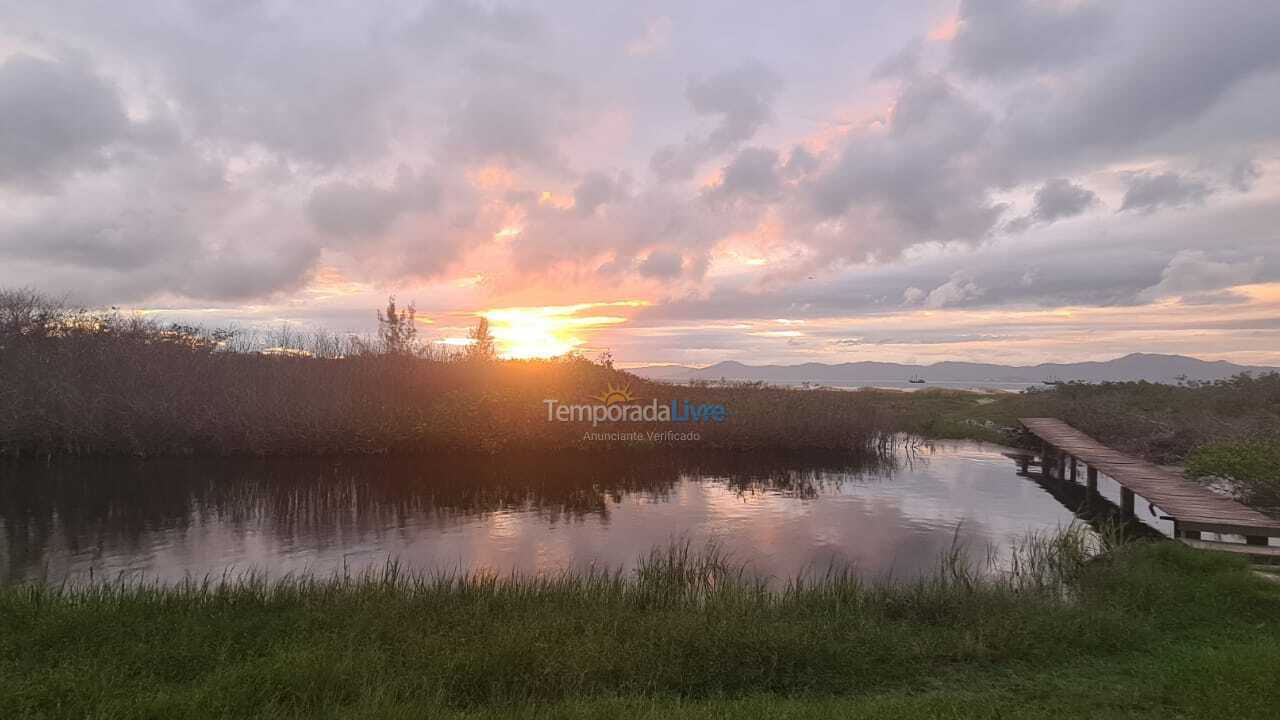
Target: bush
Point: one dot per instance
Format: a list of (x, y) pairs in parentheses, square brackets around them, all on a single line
[(1252, 466), (74, 382)]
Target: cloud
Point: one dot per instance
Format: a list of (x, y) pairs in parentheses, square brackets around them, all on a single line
[(1191, 274), (959, 289), (661, 264), (996, 37), (656, 35), (187, 234), (912, 182), (625, 229), (364, 210), (1165, 74), (752, 174), (1055, 200), (913, 295), (219, 149), (1244, 174), (58, 117), (1147, 192), (446, 24), (513, 114), (596, 189), (742, 98)]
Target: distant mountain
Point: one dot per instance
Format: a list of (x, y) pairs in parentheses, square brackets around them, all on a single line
[(1136, 366)]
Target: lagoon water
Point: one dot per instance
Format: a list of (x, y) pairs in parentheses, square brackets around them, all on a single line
[(779, 513)]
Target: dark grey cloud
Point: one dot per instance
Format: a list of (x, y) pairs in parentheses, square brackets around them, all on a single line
[(741, 98), (996, 37), (1173, 68), (364, 210), (753, 173), (596, 189), (513, 113), (1148, 192), (1055, 200), (452, 23), (917, 178), (186, 235), (1243, 174), (56, 117), (288, 116), (1111, 268), (800, 163), (661, 264)]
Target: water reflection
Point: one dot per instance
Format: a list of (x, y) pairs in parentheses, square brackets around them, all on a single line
[(780, 512)]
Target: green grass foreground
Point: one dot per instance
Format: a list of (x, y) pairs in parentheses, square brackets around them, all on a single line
[(1147, 630)]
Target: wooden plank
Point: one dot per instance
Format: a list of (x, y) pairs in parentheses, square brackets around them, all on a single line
[(1237, 548), (1194, 507)]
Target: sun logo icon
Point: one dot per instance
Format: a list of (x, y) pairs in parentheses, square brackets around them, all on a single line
[(615, 395)]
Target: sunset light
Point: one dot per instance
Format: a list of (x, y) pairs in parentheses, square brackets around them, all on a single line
[(639, 360), (523, 333)]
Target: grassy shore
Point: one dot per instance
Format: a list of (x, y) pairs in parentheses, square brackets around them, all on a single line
[(1150, 629)]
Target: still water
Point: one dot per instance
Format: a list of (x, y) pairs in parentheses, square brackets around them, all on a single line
[(781, 514)]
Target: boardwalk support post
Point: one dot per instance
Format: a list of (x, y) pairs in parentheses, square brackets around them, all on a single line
[(1193, 508)]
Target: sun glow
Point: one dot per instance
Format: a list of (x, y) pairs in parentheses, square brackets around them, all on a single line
[(523, 333)]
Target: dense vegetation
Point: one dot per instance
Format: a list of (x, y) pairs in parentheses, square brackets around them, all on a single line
[(74, 382), (84, 383), (1149, 630), (1251, 466)]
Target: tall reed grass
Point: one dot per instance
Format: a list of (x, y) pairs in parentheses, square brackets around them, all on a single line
[(687, 623), (75, 382)]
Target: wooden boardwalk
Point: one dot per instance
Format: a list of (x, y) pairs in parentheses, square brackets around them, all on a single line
[(1193, 508)]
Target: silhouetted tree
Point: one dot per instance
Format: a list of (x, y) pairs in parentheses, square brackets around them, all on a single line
[(482, 347), (398, 329)]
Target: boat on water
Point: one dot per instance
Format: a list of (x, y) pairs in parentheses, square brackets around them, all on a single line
[(916, 380), (1052, 381)]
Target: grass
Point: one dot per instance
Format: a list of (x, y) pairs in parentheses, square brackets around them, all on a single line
[(1149, 629), (1252, 467)]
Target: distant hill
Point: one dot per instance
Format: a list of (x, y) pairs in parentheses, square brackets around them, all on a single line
[(1136, 366)]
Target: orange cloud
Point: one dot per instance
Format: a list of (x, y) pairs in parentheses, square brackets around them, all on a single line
[(946, 30)]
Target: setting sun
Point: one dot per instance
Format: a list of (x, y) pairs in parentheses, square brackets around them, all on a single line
[(543, 332)]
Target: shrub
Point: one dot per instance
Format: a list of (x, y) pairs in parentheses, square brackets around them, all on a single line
[(1252, 466)]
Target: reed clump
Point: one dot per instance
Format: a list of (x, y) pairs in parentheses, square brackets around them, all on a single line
[(75, 382), (686, 625)]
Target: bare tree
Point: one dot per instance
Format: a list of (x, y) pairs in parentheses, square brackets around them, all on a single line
[(398, 328), (482, 346)]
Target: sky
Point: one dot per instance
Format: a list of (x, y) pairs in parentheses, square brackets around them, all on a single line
[(1007, 181)]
